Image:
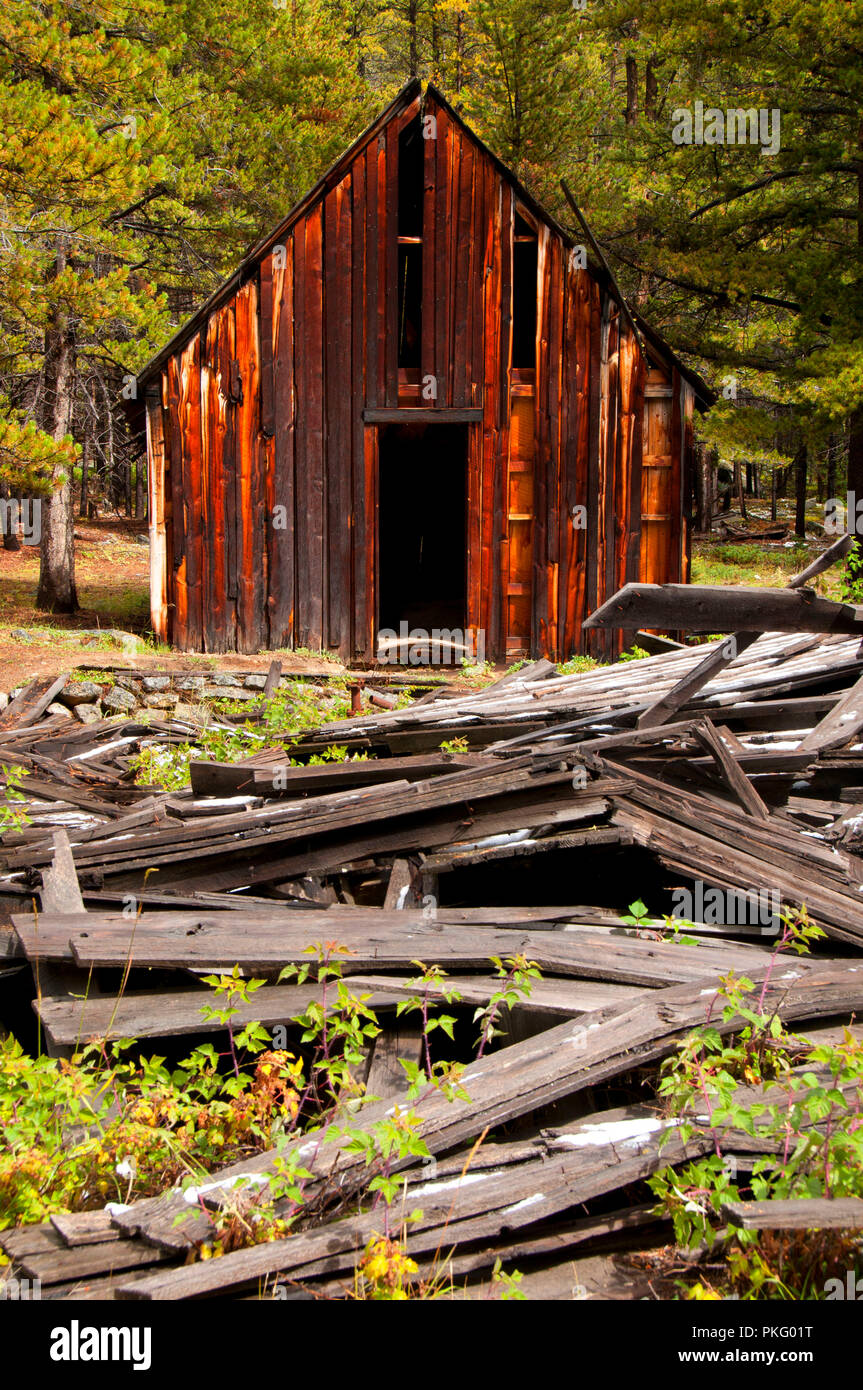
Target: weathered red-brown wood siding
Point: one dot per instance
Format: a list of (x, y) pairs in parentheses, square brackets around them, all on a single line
[(265, 461)]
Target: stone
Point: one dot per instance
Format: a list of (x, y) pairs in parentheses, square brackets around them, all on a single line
[(151, 683), (189, 683), (88, 714), (80, 693), (18, 634), (56, 708), (256, 681), (221, 692), (4, 701), (161, 702), (127, 682), (95, 635), (224, 678), (119, 701), (193, 713)]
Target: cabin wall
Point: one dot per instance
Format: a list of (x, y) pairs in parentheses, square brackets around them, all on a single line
[(264, 443)]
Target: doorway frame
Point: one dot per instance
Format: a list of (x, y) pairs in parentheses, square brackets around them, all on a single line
[(376, 419)]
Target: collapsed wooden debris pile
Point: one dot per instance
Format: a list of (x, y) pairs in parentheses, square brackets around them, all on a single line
[(720, 784)]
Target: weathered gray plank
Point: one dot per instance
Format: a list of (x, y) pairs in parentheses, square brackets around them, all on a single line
[(796, 1214)]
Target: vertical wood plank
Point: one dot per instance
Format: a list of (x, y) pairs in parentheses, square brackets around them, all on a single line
[(485, 353), (195, 520), (673, 558), (441, 252), (598, 339), (500, 372), (338, 395), (372, 252), (310, 458), (178, 516), (252, 577), (687, 467), (227, 359), (633, 404), (542, 458), (386, 314), (389, 229), (428, 364), (213, 578), (265, 277), (555, 355), (359, 341), (281, 492), (370, 465), (156, 494), (463, 252)]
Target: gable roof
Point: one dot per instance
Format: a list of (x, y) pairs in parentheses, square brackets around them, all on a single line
[(332, 176)]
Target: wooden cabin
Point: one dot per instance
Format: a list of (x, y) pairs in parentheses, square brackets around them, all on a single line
[(416, 402)]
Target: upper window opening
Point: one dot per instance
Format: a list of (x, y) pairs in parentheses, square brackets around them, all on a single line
[(411, 148), (410, 228), (524, 263)]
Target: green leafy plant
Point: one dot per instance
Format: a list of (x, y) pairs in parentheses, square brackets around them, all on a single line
[(669, 928), (807, 1120), (455, 745), (10, 818), (517, 976), (507, 1284)]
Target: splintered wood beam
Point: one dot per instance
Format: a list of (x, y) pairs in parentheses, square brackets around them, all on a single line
[(32, 702), (387, 940), (732, 774), (727, 651), (796, 1214), (724, 608), (60, 889), (716, 660), (837, 551), (399, 886), (839, 725)]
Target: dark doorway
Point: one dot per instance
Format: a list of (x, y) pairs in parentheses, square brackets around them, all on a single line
[(422, 551)]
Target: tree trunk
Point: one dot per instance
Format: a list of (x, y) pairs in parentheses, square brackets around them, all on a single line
[(459, 51), (831, 467), (704, 500), (10, 532), (140, 495), (435, 44), (85, 471), (800, 470), (738, 488), (774, 480), (631, 90), (855, 489), (57, 593), (651, 90), (854, 564), (413, 52)]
